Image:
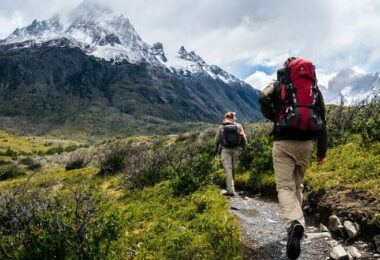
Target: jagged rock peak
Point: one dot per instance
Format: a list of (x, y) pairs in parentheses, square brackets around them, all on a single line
[(190, 56), (158, 50), (37, 29), (182, 51)]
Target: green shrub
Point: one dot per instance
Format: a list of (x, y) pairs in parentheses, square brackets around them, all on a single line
[(34, 166), (113, 160), (76, 225), (189, 165), (26, 161), (194, 170), (55, 150), (10, 171), (9, 152), (146, 167), (71, 148), (78, 160), (2, 162)]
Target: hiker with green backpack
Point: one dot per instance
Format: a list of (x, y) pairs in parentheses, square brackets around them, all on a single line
[(229, 141), (295, 105)]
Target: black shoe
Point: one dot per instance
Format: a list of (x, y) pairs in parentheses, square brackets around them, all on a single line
[(230, 194), (295, 233)]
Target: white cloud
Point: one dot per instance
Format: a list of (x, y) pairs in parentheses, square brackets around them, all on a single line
[(324, 78), (260, 80), (334, 34), (13, 21)]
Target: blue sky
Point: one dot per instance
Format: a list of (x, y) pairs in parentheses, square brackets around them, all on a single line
[(249, 38)]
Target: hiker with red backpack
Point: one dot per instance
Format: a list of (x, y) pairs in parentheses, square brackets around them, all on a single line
[(295, 105), (229, 141)]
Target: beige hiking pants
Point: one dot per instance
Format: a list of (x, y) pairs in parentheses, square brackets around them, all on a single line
[(290, 159), (230, 158)]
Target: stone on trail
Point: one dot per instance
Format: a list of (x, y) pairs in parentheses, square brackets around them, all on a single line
[(334, 223), (323, 228), (354, 252), (223, 192), (377, 242), (338, 253), (350, 228), (312, 229), (318, 235)]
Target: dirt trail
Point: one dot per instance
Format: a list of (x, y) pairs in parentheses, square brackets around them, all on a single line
[(264, 236)]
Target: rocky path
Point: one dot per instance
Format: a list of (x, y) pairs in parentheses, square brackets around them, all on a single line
[(264, 236)]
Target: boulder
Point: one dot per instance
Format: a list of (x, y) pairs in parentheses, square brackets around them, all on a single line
[(350, 229), (334, 223), (323, 228), (223, 192), (377, 242), (354, 252), (318, 235), (338, 253)]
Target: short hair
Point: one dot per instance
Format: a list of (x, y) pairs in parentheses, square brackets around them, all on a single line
[(230, 115), (288, 60)]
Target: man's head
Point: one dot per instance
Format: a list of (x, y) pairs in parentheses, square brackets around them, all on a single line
[(288, 60), (230, 116)]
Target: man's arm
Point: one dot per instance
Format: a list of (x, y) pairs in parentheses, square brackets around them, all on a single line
[(217, 139), (322, 137), (266, 100)]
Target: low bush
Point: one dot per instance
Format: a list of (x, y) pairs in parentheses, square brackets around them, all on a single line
[(32, 164), (113, 159), (78, 160), (9, 152), (10, 171), (72, 225), (71, 148), (55, 150), (26, 161), (147, 167)]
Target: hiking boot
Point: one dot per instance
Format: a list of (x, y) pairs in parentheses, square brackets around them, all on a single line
[(295, 233), (230, 194)]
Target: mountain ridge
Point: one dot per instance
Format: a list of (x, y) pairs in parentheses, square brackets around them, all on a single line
[(57, 73)]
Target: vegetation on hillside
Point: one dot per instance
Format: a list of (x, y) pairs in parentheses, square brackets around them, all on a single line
[(155, 196), (156, 199)]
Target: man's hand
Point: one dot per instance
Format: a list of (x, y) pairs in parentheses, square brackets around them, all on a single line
[(320, 160)]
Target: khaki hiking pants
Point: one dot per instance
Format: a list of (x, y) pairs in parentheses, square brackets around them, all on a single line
[(230, 158), (290, 160)]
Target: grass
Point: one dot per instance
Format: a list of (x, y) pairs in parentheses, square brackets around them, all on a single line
[(28, 145), (197, 226), (349, 180), (351, 166)]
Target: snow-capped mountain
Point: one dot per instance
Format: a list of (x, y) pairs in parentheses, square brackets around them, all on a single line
[(99, 32), (352, 85), (95, 72)]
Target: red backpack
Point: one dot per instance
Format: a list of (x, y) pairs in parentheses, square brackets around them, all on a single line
[(300, 101)]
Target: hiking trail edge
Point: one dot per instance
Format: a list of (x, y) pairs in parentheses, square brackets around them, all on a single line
[(264, 236)]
